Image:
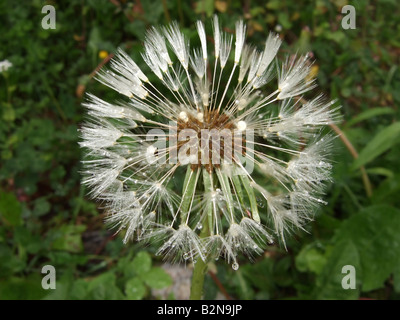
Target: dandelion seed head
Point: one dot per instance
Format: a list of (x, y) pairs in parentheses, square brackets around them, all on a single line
[(206, 162)]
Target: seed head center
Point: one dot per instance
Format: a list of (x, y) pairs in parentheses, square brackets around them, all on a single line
[(211, 134)]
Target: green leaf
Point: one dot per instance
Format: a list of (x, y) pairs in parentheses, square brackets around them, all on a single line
[(284, 20), (31, 242), (375, 233), (311, 259), (396, 279), (60, 293), (382, 142), (10, 263), (69, 238), (369, 241), (206, 6), (244, 288), (10, 209), (157, 278), (28, 288), (329, 282), (370, 113), (135, 289), (42, 206), (381, 171), (141, 264), (260, 275), (103, 288), (387, 191), (79, 289)]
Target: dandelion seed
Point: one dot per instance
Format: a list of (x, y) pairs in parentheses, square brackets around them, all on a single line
[(207, 165)]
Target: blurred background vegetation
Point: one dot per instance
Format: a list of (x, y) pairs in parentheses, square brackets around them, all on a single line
[(45, 217)]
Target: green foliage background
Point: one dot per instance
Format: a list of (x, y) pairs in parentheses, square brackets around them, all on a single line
[(45, 217)]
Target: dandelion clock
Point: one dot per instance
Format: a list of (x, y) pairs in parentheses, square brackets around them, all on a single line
[(218, 155)]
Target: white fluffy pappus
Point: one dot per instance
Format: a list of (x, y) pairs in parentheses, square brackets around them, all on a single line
[(197, 207)]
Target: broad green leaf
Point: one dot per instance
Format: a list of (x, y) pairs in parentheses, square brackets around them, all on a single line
[(69, 238), (66, 258), (60, 293), (141, 264), (135, 289), (10, 263), (10, 209), (311, 259), (369, 241), (206, 6), (28, 288), (284, 20), (79, 289), (383, 141), (103, 288), (387, 191), (375, 234), (157, 278), (329, 282), (370, 113), (396, 279), (31, 242)]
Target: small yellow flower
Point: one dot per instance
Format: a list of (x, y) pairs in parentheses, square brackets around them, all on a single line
[(103, 54), (313, 73)]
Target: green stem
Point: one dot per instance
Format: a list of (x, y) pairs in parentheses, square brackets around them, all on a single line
[(199, 271), (166, 12), (200, 267)]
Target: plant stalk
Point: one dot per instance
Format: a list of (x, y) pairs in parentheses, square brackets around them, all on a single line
[(200, 267), (199, 271)]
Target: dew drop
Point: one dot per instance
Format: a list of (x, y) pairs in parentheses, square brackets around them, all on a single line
[(260, 203), (235, 266)]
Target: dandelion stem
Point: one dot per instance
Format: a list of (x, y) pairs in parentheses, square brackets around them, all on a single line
[(354, 153), (200, 269), (166, 11)]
